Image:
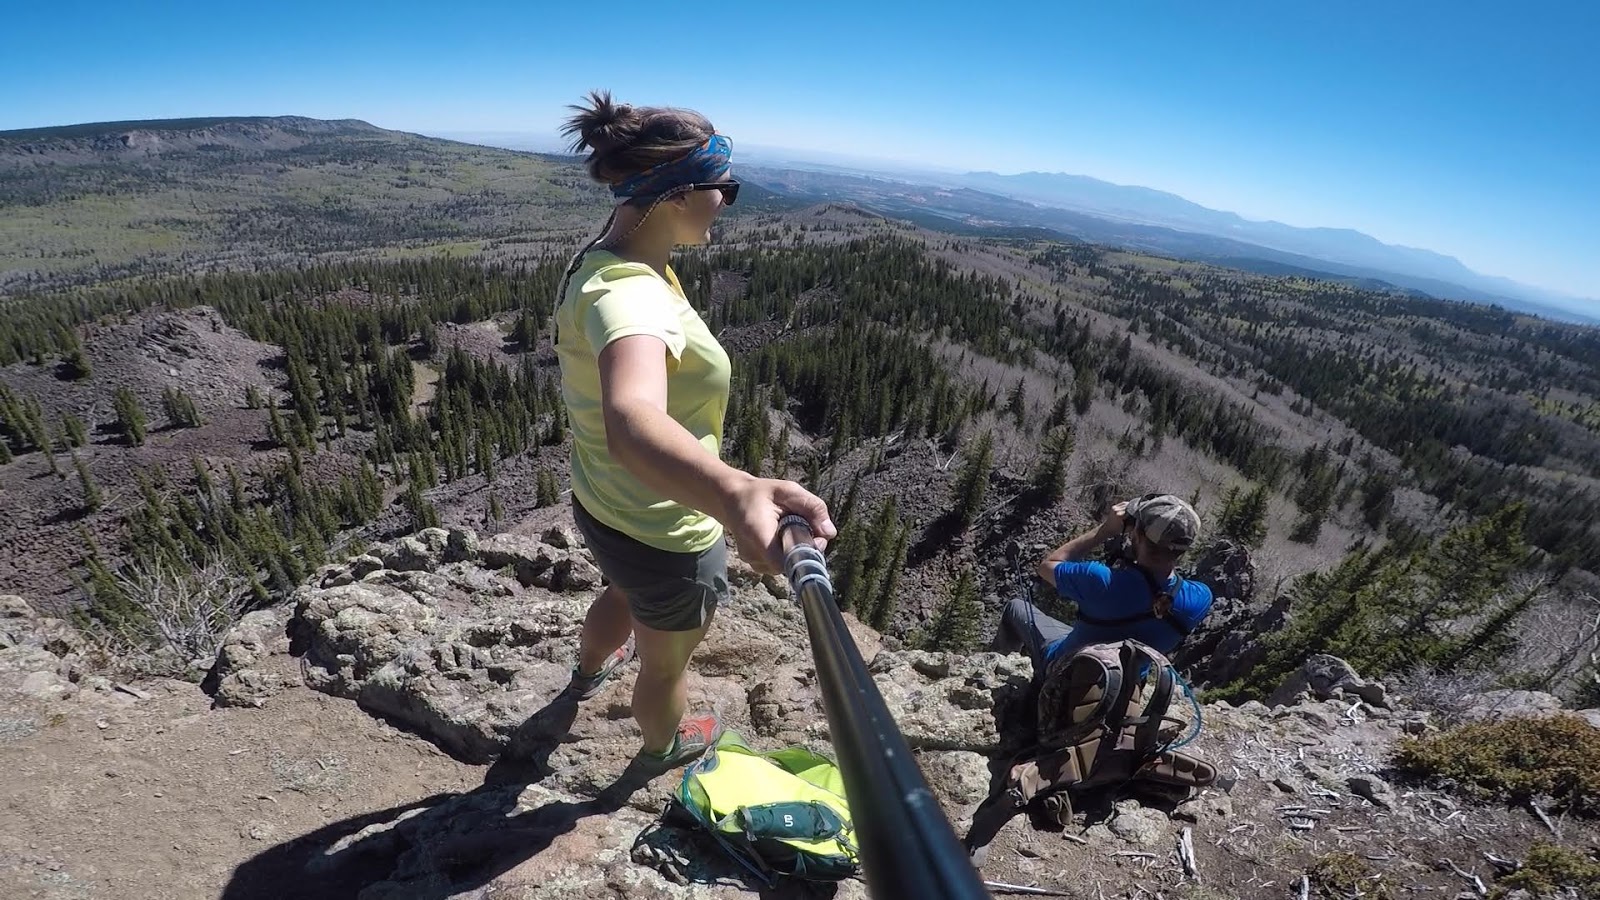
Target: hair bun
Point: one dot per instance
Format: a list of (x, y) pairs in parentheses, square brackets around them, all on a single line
[(602, 125), (624, 140)]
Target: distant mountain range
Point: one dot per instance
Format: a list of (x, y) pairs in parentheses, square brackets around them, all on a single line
[(1158, 222), (1139, 218), (84, 203), (113, 193)]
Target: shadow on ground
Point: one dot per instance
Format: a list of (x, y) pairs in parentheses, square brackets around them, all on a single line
[(449, 844)]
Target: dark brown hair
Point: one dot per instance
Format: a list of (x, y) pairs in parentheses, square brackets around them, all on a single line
[(625, 140)]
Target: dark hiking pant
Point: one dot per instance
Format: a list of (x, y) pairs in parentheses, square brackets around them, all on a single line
[(1023, 627)]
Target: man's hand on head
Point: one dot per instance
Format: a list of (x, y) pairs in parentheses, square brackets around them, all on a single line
[(1116, 520)]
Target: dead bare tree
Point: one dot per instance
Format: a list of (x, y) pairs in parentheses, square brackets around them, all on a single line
[(1557, 638), (181, 615)]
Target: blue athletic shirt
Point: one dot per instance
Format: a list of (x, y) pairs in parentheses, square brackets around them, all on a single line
[(1102, 592)]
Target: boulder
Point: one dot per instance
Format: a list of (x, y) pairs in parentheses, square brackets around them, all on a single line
[(1504, 704), (528, 560), (945, 701), (461, 545), (22, 626), (414, 552), (1325, 677), (561, 537), (240, 676)]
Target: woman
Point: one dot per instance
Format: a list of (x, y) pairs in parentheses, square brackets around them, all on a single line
[(645, 386)]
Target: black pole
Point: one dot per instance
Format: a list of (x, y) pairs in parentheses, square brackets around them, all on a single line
[(908, 848)]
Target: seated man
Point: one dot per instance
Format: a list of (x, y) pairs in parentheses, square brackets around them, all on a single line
[(1146, 601)]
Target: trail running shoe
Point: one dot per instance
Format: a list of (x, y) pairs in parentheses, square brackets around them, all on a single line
[(694, 737), (585, 686)]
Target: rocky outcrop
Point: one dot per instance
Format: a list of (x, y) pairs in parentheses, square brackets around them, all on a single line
[(1228, 642), (44, 659), (1325, 677), (468, 644), (244, 673)]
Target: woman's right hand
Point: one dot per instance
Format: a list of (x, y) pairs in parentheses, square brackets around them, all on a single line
[(753, 508)]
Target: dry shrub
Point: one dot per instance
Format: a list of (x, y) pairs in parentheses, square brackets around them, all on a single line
[(1517, 759), (1550, 868), (1340, 875), (1444, 693)]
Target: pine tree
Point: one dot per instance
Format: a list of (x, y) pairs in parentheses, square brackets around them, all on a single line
[(1307, 529), (277, 434), (881, 615), (847, 509), (1050, 472), (955, 623), (91, 491), (252, 397), (848, 554), (1017, 404), (1244, 515), (483, 456), (74, 361), (878, 554), (423, 514), (525, 334), (427, 340), (496, 511), (130, 416), (77, 433), (48, 446), (546, 492), (1083, 382), (972, 484), (1377, 499), (780, 454), (180, 409)]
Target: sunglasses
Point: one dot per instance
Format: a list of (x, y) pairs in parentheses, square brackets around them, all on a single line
[(729, 189)]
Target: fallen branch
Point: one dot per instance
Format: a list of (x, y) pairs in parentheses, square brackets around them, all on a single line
[(1186, 854), (1502, 865), (1477, 883), (1004, 888), (1544, 817)]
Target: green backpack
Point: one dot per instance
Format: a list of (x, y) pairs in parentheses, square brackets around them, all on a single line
[(777, 813)]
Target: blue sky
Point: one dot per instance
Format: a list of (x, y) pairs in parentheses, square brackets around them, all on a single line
[(1469, 128)]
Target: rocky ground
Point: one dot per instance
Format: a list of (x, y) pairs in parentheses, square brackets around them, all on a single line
[(395, 732)]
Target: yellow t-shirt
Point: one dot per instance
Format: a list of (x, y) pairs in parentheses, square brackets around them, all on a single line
[(610, 298)]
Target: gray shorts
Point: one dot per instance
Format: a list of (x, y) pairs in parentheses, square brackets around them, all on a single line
[(666, 591)]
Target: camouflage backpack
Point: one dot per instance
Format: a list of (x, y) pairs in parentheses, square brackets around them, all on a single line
[(1105, 719)]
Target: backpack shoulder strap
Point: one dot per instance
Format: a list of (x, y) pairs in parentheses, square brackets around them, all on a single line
[(1147, 725)]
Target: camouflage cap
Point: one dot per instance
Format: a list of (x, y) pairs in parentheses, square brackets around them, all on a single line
[(1166, 520)]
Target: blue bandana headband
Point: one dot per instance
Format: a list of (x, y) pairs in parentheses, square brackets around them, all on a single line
[(708, 162)]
